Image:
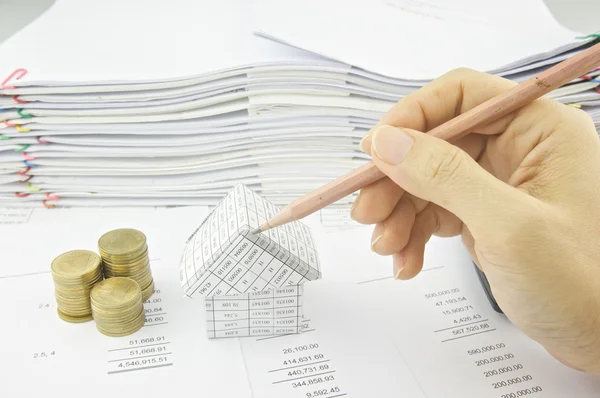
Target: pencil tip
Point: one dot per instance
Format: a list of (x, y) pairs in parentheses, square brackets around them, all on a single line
[(258, 230)]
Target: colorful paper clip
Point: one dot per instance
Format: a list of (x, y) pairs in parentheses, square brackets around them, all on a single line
[(26, 156), (24, 115), (32, 189), (22, 149), (18, 101), (52, 197), (48, 206), (22, 129), (21, 195), (17, 74)]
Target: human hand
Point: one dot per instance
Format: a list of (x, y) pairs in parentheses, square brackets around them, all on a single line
[(524, 193)]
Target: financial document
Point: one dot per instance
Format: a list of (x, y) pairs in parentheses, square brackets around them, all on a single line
[(268, 312), (43, 355), (363, 333)]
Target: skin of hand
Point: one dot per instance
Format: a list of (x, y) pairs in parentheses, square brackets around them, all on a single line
[(523, 192)]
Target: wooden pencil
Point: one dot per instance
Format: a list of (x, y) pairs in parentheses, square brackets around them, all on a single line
[(485, 113)]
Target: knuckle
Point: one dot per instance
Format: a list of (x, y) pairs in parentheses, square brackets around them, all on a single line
[(462, 72), (444, 167)]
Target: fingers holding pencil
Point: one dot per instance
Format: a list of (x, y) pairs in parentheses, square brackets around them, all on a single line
[(427, 108)]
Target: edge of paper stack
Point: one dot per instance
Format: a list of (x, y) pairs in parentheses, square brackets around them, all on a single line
[(176, 105)]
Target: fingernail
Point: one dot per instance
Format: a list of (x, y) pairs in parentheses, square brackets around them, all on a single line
[(377, 235), (362, 143), (398, 265), (391, 144)]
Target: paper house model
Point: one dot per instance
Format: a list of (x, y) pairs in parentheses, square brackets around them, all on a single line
[(251, 283)]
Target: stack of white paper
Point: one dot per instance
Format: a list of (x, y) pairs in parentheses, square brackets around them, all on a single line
[(154, 103)]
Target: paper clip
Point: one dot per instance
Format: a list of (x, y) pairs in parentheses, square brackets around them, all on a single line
[(48, 206), (9, 124), (24, 115), (22, 149), (21, 195), (4, 137), (52, 197), (40, 141), (32, 189), (18, 101), (28, 178), (26, 156), (596, 35), (28, 165), (17, 74), (578, 106), (21, 129), (589, 78), (24, 171)]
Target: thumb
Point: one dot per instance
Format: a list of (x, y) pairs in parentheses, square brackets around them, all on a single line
[(437, 171)]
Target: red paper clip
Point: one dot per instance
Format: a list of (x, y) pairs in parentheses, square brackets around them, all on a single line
[(19, 101), (52, 197), (17, 74), (9, 124), (24, 171), (21, 195), (40, 141)]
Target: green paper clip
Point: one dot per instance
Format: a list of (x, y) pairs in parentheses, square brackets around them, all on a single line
[(24, 115), (22, 149)]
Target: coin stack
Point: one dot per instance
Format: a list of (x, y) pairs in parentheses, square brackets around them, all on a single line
[(125, 254), (117, 306), (75, 273)]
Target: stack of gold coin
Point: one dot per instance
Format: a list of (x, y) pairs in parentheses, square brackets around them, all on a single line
[(125, 254), (75, 273), (117, 306)]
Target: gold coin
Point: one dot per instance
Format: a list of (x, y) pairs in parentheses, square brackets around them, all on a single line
[(138, 276), (125, 255), (121, 242), (115, 293), (111, 315), (75, 265), (148, 292), (129, 258), (73, 319), (75, 311), (126, 270), (123, 329), (78, 281), (132, 268)]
